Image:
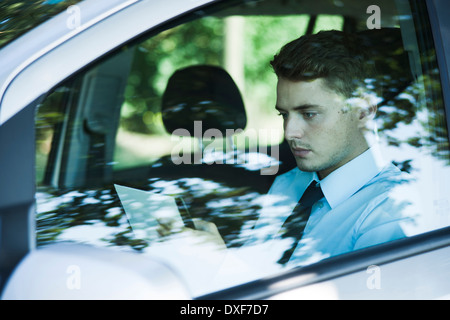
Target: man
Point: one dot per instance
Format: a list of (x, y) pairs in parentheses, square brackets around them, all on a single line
[(322, 97), (326, 108)]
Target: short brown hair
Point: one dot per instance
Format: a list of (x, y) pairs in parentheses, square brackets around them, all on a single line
[(335, 56)]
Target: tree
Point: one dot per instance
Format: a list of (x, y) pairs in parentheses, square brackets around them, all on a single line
[(17, 17)]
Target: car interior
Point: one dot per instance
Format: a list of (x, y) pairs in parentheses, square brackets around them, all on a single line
[(87, 109)]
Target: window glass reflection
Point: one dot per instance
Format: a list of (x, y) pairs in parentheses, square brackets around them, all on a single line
[(205, 181)]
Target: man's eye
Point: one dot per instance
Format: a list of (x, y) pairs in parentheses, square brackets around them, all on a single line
[(309, 115)]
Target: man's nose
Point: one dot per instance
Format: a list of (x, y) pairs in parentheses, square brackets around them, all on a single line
[(293, 129)]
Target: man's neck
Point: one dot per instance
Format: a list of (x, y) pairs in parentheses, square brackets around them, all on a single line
[(324, 173)]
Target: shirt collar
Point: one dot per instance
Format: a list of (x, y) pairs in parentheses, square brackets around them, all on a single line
[(348, 179)]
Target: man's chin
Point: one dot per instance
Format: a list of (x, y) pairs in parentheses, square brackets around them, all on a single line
[(305, 167)]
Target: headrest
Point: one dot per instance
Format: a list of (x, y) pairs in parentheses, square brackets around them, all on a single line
[(391, 61), (202, 93)]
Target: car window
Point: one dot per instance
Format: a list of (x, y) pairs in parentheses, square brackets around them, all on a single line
[(171, 146)]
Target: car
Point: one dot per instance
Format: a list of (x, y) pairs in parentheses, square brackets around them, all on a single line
[(132, 132)]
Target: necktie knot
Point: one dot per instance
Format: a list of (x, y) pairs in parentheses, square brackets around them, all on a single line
[(311, 195)]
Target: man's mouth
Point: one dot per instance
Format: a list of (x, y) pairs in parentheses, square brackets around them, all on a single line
[(300, 152)]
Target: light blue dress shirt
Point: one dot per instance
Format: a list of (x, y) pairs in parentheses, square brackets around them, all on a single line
[(361, 207), (365, 203)]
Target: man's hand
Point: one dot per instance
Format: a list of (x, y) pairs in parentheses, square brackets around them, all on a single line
[(208, 231)]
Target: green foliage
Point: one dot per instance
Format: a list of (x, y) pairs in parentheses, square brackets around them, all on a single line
[(266, 36), (199, 42), (17, 17)]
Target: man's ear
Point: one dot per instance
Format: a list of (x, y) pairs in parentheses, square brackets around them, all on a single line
[(368, 113), (367, 110)]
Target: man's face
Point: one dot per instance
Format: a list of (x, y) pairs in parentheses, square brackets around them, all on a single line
[(321, 129)]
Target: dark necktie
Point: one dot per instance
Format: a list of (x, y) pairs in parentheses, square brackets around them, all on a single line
[(295, 224)]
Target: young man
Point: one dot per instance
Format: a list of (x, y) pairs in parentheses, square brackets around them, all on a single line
[(322, 97)]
